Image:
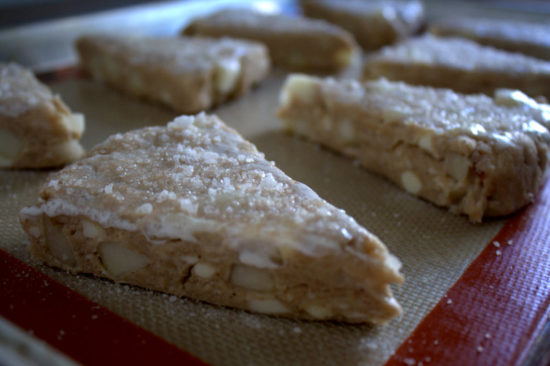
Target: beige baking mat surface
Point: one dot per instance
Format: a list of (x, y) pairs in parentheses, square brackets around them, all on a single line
[(434, 245)]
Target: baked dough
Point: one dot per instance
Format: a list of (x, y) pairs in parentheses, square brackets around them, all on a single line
[(532, 39), (295, 43), (212, 220), (474, 154), (373, 23), (459, 64), (186, 74), (37, 130)]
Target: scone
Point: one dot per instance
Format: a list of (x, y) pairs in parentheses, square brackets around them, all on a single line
[(293, 42), (459, 64), (186, 74), (37, 130), (532, 39), (373, 23), (477, 155), (193, 209)]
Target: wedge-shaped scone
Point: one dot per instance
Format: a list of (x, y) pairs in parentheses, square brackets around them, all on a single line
[(193, 209), (373, 23), (37, 129), (459, 64), (293, 42), (474, 154), (186, 74), (532, 39)]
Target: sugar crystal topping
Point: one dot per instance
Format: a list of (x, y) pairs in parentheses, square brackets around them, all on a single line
[(509, 115), (197, 175)]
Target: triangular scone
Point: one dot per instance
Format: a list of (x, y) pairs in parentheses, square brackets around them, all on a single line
[(373, 23), (294, 42), (187, 74), (478, 155), (459, 64), (193, 209), (532, 39), (37, 129)]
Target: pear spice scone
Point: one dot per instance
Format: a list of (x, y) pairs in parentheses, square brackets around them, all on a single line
[(477, 155), (37, 130), (532, 39), (458, 64), (187, 74), (373, 23), (193, 209), (297, 43)]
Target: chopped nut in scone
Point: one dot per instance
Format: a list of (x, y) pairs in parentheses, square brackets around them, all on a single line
[(373, 23), (187, 74), (214, 221), (459, 64), (293, 42), (532, 39), (477, 155), (37, 130)]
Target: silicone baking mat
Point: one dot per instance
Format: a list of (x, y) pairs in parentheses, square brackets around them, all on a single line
[(474, 293)]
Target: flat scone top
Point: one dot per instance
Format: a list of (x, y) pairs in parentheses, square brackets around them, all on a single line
[(441, 111), (198, 177), (459, 53), (503, 117)]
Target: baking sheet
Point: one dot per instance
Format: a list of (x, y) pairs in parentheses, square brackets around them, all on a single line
[(434, 245)]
